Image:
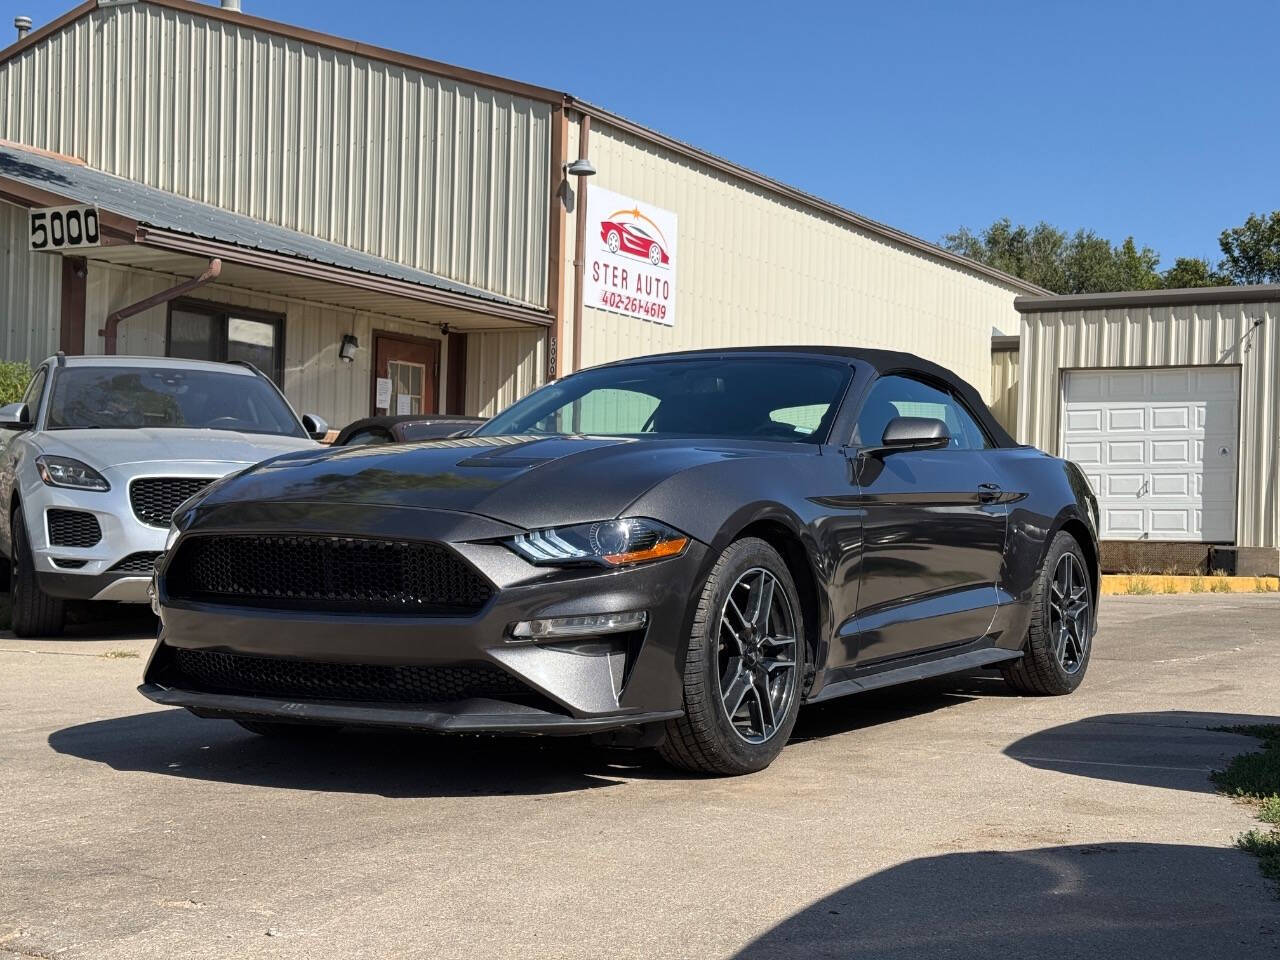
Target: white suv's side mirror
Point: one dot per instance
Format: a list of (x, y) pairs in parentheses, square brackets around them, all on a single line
[(315, 426), (15, 416)]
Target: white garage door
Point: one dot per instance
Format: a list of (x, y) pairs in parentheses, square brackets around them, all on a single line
[(1159, 447)]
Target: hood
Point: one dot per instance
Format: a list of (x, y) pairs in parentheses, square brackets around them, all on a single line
[(524, 481), (102, 449)]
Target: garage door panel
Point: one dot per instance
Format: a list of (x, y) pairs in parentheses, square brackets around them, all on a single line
[(1159, 449), (1085, 420), (1126, 452), (1170, 485), (1121, 521), (1171, 418)]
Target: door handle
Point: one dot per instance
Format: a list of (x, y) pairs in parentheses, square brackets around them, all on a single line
[(988, 492)]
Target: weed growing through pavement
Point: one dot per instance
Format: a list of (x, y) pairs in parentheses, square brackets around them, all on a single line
[(1255, 778)]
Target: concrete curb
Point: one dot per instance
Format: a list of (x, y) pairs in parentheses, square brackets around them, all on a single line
[(1141, 583)]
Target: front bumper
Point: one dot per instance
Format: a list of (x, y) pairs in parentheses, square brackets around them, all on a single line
[(583, 685), (93, 572)]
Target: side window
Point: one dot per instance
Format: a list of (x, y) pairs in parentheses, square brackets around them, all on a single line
[(898, 396), (35, 390)]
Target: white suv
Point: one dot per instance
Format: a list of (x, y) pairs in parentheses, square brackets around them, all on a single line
[(102, 450)]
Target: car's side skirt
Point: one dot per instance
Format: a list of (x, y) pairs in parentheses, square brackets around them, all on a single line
[(920, 670)]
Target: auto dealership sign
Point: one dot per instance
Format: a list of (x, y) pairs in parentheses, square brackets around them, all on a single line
[(630, 260)]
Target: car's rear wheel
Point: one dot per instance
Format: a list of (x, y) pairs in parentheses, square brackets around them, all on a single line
[(288, 731), (33, 613), (1060, 638), (614, 241), (743, 667)]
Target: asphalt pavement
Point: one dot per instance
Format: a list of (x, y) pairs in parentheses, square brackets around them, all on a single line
[(944, 819)]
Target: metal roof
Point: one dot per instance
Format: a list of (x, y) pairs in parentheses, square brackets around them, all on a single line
[(167, 211)]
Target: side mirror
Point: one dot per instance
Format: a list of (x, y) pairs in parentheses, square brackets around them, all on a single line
[(912, 433), (315, 426), (15, 416)]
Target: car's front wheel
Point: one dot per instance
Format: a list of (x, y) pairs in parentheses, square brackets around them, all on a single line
[(33, 613), (1060, 638), (743, 667)]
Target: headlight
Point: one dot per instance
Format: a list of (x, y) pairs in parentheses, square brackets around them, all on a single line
[(65, 472), (172, 538), (610, 543)]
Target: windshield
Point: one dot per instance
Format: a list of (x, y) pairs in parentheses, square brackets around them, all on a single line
[(125, 397), (759, 397)]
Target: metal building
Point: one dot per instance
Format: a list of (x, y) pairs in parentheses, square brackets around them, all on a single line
[(459, 238), (1170, 401)]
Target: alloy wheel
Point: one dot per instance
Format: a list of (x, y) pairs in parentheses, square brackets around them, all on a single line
[(1069, 613), (757, 655)]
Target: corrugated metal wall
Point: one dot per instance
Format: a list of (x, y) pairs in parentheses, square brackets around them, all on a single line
[(1244, 334), (30, 293), (444, 176), (756, 268), (315, 379), (503, 366), (1004, 388)]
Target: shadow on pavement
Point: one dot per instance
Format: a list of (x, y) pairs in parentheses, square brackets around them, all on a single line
[(1112, 900), (406, 764), (1173, 748), (386, 763)]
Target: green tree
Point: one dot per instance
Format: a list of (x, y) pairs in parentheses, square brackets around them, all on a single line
[(1252, 250), (1048, 257), (1193, 272)]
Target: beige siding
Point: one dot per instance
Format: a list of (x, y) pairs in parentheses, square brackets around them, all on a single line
[(30, 293), (1004, 388), (315, 379), (427, 171), (758, 268), (1241, 334), (502, 367)]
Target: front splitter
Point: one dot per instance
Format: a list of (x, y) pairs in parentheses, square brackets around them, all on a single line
[(468, 716)]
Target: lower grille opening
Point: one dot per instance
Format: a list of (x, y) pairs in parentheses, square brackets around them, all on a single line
[(142, 562), (214, 672), (67, 564), (73, 528)]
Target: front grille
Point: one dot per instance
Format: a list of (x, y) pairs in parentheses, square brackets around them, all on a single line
[(137, 562), (213, 672), (73, 528), (155, 498), (326, 573)]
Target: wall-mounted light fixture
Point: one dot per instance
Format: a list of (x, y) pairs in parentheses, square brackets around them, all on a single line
[(444, 329), (581, 167), (349, 347)]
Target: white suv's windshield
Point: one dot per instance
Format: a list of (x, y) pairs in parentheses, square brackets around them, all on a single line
[(125, 397), (768, 398)]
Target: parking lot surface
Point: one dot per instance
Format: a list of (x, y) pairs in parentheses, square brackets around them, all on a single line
[(945, 819)]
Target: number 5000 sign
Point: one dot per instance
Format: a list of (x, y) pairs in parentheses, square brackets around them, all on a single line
[(58, 228)]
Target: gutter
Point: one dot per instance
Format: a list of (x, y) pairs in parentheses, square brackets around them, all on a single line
[(580, 243), (108, 333)]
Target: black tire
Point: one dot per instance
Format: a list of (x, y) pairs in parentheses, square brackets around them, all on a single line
[(288, 731), (1041, 671), (33, 613), (705, 740)]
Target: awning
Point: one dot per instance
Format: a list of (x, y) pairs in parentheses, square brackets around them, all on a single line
[(160, 231)]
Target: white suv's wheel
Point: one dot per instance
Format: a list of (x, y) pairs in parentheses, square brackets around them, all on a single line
[(33, 612)]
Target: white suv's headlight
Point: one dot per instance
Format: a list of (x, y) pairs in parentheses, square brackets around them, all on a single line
[(609, 543), (65, 472)]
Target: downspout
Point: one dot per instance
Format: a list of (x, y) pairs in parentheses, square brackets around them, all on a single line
[(579, 245), (108, 333)]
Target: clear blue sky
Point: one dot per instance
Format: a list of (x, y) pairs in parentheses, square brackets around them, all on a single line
[(1157, 119)]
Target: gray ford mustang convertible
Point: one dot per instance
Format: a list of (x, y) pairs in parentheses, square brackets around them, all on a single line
[(676, 551)]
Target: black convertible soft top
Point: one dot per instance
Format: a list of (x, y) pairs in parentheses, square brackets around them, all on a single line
[(882, 361)]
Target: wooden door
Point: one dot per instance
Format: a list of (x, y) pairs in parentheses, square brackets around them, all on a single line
[(411, 367)]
